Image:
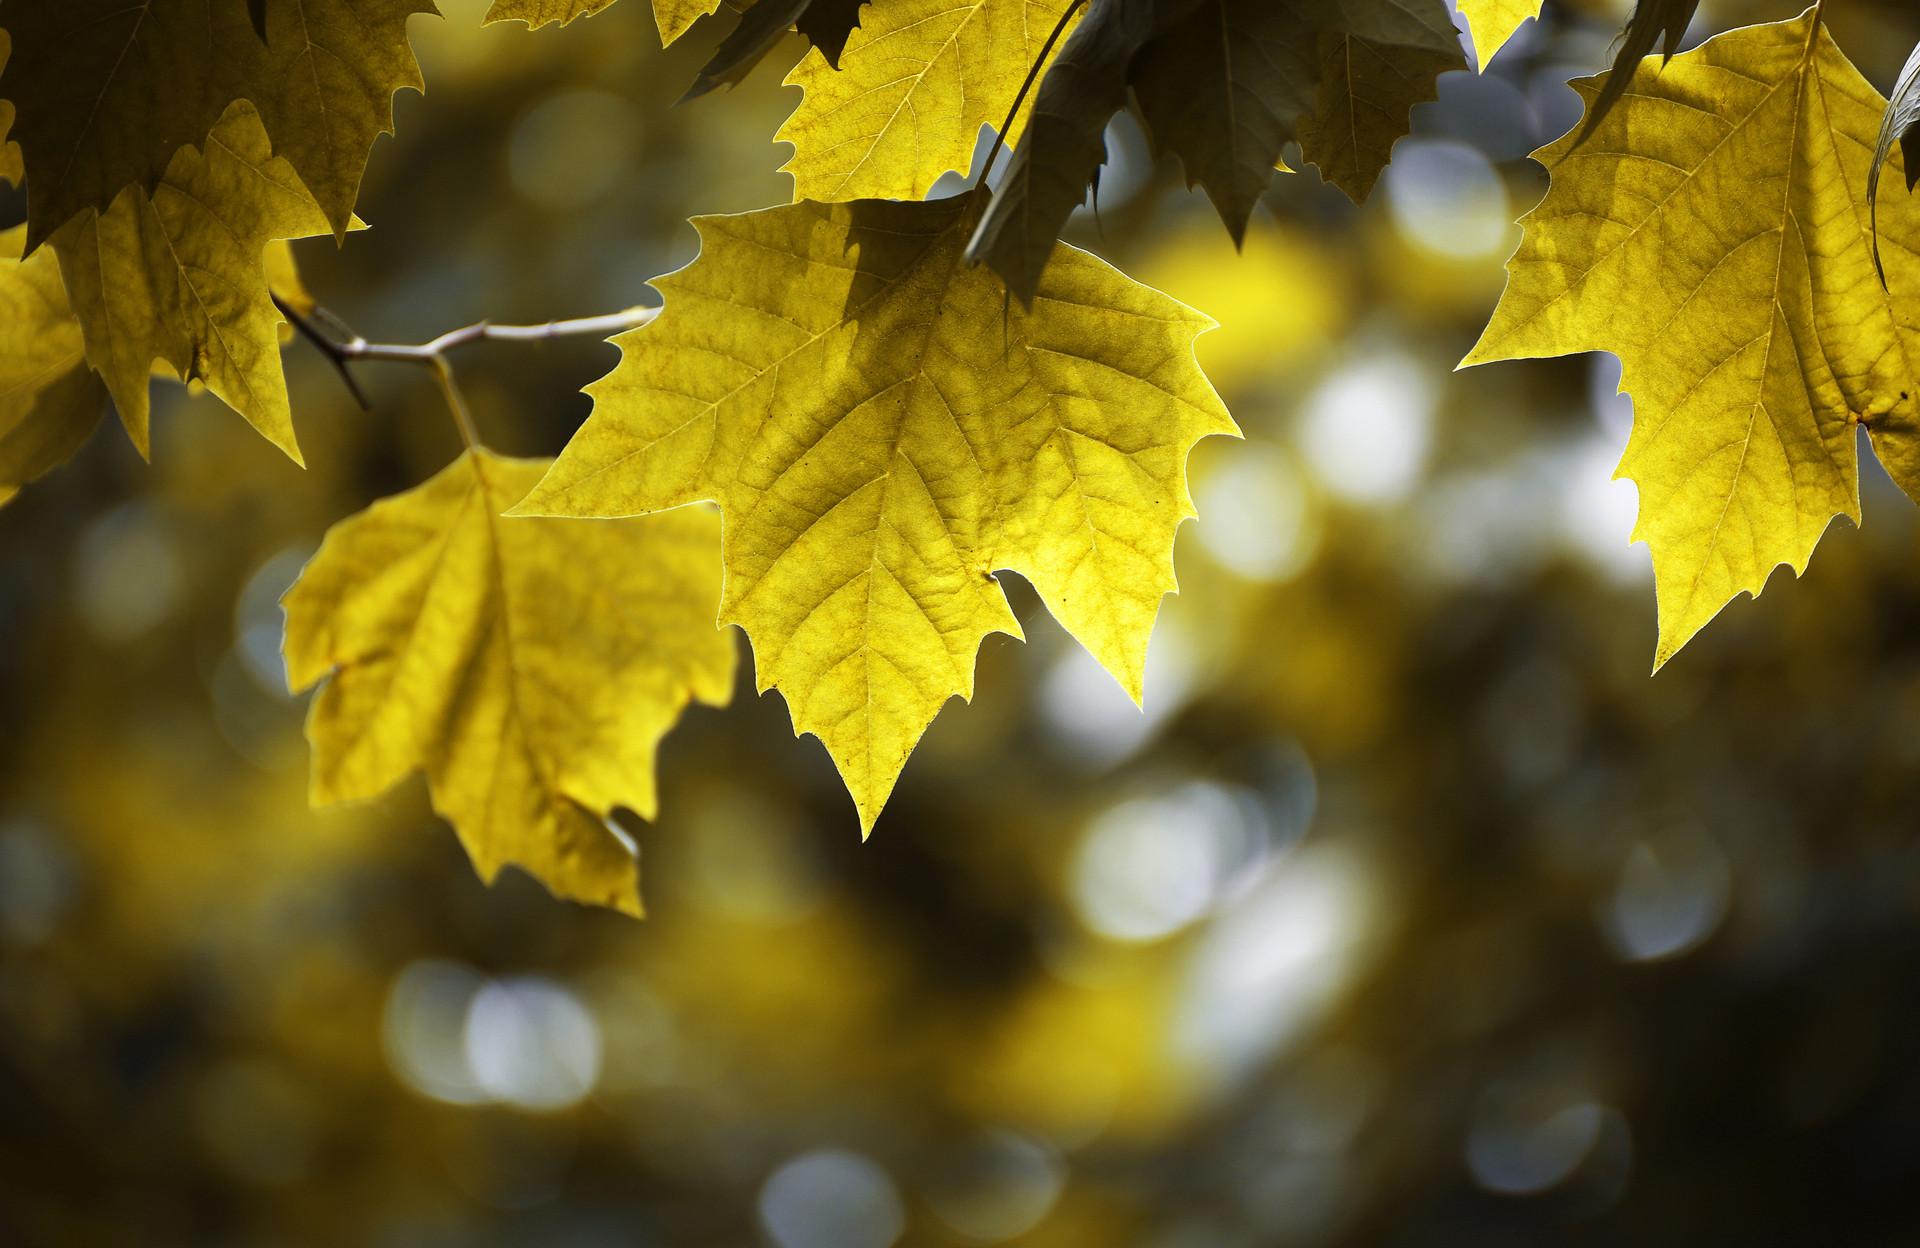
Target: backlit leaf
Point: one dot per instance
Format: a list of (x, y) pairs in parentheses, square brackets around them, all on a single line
[(1065, 143), (180, 277), (828, 24), (1223, 89), (49, 400), (538, 13), (1713, 235), (883, 433), (1652, 22), (107, 92), (1900, 123), (758, 29), (917, 81), (1492, 23), (11, 169), (1365, 104), (528, 667), (1223, 85), (674, 17)]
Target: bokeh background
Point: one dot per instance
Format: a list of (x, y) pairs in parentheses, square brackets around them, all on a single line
[(1411, 910)]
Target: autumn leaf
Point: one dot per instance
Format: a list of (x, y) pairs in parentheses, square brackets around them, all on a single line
[(528, 667), (882, 433), (828, 24), (107, 92), (1223, 85), (1493, 22), (1899, 124), (915, 84), (1365, 105), (538, 13), (1653, 21), (49, 400), (1713, 235), (673, 17), (11, 168), (1065, 143), (758, 29), (1226, 87), (180, 277)]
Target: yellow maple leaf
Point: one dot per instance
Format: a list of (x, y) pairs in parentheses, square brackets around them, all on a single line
[(1712, 233), (676, 17), (11, 168), (883, 432), (49, 400), (916, 82), (673, 16), (107, 92), (1493, 22), (180, 276), (1364, 105), (528, 667)]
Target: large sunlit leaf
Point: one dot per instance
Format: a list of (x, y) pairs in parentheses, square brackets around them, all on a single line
[(528, 667), (1713, 234), (883, 433)]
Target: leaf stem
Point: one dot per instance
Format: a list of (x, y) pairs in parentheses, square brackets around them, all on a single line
[(1033, 72), (342, 347)]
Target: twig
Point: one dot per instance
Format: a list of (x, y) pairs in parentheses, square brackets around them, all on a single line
[(343, 347), (327, 348)]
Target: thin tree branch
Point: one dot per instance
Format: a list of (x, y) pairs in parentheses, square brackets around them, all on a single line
[(308, 330), (342, 347)]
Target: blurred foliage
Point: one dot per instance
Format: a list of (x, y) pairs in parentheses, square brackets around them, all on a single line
[(1411, 911)]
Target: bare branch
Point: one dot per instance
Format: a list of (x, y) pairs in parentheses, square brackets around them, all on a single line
[(343, 347)]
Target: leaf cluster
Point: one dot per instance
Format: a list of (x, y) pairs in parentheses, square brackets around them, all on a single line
[(886, 400)]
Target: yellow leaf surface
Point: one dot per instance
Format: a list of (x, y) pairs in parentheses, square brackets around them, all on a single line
[(49, 401), (538, 13), (1712, 233), (180, 276), (11, 170), (882, 432), (528, 667), (676, 17), (916, 82), (108, 91), (1492, 23)]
